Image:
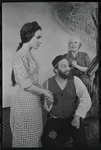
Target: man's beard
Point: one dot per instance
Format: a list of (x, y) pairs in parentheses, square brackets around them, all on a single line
[(63, 74)]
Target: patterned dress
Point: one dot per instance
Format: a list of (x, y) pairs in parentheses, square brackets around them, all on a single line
[(83, 60), (26, 110)]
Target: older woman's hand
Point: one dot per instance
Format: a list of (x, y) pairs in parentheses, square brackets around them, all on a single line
[(74, 63)]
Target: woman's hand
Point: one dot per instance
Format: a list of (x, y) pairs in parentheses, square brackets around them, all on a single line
[(48, 95), (49, 98), (81, 68), (74, 63)]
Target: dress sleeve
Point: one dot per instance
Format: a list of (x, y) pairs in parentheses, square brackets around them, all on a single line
[(84, 98), (21, 71), (87, 60)]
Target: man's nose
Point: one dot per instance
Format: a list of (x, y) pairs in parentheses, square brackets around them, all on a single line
[(68, 68)]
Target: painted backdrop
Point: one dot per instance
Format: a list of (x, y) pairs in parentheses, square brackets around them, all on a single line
[(54, 40)]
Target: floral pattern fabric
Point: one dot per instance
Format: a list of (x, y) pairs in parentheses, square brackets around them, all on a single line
[(26, 110), (82, 59)]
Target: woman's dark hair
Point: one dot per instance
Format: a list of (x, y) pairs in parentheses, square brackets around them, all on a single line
[(27, 32)]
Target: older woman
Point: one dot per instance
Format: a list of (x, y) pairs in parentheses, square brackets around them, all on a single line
[(26, 110), (79, 61)]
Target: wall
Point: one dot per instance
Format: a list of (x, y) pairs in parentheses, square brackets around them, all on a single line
[(54, 40)]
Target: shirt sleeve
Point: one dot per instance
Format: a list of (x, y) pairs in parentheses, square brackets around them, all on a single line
[(45, 106), (21, 71), (84, 98)]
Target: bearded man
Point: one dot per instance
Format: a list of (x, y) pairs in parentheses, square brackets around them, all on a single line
[(70, 106)]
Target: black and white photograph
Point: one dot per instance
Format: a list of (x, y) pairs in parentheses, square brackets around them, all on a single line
[(50, 75)]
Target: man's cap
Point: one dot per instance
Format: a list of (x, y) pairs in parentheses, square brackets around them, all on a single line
[(57, 59)]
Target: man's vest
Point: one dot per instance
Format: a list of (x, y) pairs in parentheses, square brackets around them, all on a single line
[(65, 101)]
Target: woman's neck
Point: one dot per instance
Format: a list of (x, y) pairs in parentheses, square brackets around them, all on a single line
[(74, 53), (26, 47)]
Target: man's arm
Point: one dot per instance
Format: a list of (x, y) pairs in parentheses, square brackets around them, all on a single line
[(84, 98), (84, 102)]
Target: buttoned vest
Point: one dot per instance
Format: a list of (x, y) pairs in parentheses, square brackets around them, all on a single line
[(65, 101)]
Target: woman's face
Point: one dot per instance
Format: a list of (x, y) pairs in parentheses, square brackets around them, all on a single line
[(36, 40), (74, 44)]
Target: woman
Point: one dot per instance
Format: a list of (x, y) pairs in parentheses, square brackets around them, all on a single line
[(79, 61), (26, 111)]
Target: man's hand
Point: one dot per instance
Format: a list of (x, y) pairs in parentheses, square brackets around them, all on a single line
[(49, 103), (76, 122), (49, 100), (48, 95)]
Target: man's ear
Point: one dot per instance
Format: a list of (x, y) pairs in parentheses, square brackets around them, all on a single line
[(55, 71)]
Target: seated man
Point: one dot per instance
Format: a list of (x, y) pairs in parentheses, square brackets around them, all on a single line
[(70, 106)]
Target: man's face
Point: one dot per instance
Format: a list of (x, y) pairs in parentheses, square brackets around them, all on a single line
[(63, 69)]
